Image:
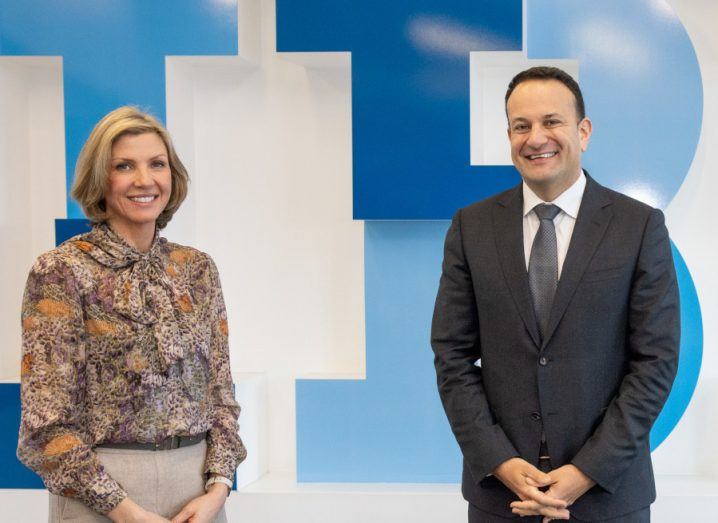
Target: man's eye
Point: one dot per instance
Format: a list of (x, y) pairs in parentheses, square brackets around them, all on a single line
[(552, 123), (519, 128)]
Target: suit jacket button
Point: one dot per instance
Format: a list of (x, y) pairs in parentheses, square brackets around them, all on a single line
[(536, 416), (543, 361)]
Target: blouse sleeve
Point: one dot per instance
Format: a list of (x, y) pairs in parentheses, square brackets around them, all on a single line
[(225, 450), (52, 441)]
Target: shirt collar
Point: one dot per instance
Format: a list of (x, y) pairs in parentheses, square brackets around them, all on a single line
[(569, 201), (110, 249)]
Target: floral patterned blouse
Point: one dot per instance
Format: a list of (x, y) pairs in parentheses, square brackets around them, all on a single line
[(122, 346)]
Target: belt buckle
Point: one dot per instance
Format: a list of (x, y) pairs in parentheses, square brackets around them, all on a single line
[(167, 443)]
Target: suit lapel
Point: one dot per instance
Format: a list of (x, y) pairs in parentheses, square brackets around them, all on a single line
[(508, 228), (594, 216)]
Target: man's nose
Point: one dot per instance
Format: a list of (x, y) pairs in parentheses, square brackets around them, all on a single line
[(537, 136)]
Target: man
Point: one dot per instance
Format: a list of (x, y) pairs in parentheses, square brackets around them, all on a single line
[(556, 327)]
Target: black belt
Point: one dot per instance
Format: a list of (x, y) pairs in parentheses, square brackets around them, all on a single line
[(173, 442)]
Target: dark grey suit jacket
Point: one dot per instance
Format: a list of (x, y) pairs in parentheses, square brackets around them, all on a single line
[(601, 376)]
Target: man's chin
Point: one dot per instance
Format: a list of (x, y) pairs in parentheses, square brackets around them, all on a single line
[(538, 177)]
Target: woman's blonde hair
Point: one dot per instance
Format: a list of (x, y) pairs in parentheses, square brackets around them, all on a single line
[(94, 163)]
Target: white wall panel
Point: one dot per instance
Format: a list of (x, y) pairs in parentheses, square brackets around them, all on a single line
[(32, 183), (690, 449), (268, 140)]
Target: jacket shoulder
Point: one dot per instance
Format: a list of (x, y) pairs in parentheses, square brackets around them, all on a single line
[(483, 207), (628, 206)]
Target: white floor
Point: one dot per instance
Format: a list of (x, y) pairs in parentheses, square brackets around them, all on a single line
[(276, 499)]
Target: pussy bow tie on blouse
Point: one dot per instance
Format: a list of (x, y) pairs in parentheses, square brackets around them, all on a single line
[(143, 291)]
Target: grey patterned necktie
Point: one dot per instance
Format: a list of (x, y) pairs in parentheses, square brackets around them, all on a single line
[(543, 265)]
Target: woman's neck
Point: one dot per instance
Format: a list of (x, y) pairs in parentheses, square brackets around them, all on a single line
[(139, 236)]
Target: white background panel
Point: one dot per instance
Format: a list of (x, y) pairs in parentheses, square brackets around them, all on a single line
[(32, 183), (269, 141), (691, 448)]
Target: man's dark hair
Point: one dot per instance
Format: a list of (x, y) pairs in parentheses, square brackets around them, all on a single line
[(548, 73)]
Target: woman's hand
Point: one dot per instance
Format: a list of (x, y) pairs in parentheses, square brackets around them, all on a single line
[(204, 509), (130, 512)]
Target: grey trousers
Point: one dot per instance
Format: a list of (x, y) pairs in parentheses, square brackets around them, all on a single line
[(160, 481)]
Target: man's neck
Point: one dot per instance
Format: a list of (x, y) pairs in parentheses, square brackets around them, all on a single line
[(549, 193)]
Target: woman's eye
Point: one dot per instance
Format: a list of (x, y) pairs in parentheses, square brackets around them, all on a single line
[(122, 167), (159, 164)]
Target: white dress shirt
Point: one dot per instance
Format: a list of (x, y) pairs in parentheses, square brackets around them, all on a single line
[(569, 202)]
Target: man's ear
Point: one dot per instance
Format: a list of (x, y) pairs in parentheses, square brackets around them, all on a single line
[(585, 128)]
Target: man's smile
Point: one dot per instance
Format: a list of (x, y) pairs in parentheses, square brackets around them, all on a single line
[(549, 154)]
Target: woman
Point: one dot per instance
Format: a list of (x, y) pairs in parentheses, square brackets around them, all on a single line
[(128, 410)]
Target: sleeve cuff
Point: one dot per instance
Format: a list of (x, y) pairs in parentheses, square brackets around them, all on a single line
[(607, 481), (100, 492)]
